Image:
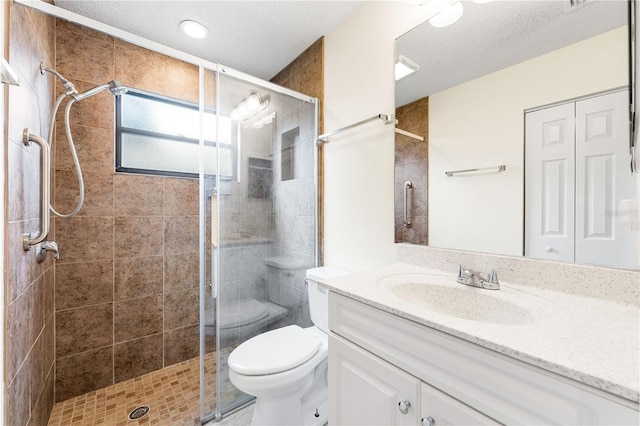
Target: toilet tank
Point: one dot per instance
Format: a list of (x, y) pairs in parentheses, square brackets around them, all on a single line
[(318, 296)]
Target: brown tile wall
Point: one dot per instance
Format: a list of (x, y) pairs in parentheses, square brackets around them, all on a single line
[(411, 162), (29, 300), (126, 289), (306, 75)]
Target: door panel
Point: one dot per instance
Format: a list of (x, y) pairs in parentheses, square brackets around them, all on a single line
[(549, 183), (603, 179), (445, 410)]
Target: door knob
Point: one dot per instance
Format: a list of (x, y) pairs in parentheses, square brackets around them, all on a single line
[(427, 421), (403, 406)]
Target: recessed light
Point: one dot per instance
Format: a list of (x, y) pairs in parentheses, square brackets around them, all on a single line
[(447, 16), (194, 29), (404, 67)]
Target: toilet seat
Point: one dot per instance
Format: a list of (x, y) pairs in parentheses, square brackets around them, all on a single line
[(274, 352)]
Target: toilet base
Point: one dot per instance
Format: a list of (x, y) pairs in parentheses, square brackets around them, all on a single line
[(271, 412)]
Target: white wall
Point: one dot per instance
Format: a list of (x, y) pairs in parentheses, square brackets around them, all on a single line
[(481, 124), (358, 170)]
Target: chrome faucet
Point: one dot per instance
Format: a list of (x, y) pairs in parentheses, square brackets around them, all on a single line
[(44, 247), (472, 278)]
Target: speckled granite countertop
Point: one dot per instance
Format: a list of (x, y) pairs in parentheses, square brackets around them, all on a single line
[(589, 340)]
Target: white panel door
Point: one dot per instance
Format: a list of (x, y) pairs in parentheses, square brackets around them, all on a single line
[(603, 179), (549, 183), (365, 390)]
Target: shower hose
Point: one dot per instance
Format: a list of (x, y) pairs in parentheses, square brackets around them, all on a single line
[(72, 148)]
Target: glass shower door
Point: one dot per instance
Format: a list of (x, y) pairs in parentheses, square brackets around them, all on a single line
[(262, 217)]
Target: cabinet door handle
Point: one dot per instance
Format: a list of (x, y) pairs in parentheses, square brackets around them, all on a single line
[(427, 421), (403, 406)]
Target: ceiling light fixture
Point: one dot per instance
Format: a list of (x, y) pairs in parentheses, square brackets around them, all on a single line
[(404, 67), (194, 29), (249, 106), (447, 16)]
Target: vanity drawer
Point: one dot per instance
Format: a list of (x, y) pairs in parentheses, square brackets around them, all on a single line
[(505, 389)]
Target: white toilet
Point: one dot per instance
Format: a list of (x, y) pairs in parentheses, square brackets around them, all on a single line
[(286, 369)]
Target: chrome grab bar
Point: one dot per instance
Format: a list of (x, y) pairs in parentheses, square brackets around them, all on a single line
[(45, 170), (407, 221), (500, 168), (386, 119)]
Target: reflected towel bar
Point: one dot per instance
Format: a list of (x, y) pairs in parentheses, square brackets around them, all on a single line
[(409, 134), (500, 168), (386, 119)]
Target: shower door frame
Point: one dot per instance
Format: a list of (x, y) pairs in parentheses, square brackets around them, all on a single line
[(230, 72)]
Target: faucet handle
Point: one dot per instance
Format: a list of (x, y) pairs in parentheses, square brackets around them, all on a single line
[(492, 278)]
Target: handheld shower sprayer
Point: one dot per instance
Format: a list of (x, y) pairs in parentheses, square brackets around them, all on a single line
[(114, 87)]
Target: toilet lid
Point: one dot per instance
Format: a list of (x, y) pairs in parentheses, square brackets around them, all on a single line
[(274, 351)]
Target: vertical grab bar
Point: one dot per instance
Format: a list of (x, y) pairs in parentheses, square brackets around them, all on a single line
[(407, 221), (45, 170)]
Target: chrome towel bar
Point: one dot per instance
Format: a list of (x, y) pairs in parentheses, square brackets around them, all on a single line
[(500, 168), (386, 119)]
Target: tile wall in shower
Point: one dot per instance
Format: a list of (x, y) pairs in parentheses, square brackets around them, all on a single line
[(127, 281), (411, 164), (29, 301)]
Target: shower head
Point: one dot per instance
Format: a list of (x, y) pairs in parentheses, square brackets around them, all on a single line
[(70, 88), (113, 86)]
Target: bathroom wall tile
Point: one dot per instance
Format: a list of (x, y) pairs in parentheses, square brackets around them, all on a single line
[(209, 89), (83, 372), (137, 236), (41, 363), (83, 329), (17, 261), (94, 146), (181, 308), (181, 234), (138, 195), (19, 115), (181, 197), (181, 271), (95, 111), (44, 404), (181, 80), (61, 24), (79, 57), (137, 276), (135, 318), (98, 193), (138, 67), (18, 323), (418, 232), (85, 239), (18, 402), (36, 322), (181, 344), (83, 284), (23, 179), (22, 50), (137, 357), (49, 295)]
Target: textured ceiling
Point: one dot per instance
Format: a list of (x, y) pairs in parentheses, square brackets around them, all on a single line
[(256, 37), (495, 35)]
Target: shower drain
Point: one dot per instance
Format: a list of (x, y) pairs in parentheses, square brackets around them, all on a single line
[(139, 412)]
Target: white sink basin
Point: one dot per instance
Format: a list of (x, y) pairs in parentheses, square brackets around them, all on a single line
[(456, 300)]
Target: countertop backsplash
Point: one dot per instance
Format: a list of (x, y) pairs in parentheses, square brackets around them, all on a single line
[(616, 285)]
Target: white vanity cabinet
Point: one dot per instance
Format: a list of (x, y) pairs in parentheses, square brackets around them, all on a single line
[(381, 365)]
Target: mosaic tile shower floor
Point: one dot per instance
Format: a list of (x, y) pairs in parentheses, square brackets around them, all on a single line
[(173, 395)]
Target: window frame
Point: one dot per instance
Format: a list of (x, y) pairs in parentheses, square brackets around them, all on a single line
[(120, 130)]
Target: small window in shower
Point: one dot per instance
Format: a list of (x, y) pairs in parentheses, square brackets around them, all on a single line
[(287, 153), (158, 135)]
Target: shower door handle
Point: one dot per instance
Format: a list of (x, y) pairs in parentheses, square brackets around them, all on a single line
[(214, 241), (407, 221)]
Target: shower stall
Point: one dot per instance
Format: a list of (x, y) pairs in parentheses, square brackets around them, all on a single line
[(189, 205), (258, 228)]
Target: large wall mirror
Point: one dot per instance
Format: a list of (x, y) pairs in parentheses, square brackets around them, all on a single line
[(524, 106)]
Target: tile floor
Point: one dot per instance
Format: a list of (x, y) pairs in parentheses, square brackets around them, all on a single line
[(173, 395)]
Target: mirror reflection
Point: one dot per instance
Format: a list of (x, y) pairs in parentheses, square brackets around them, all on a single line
[(501, 169)]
